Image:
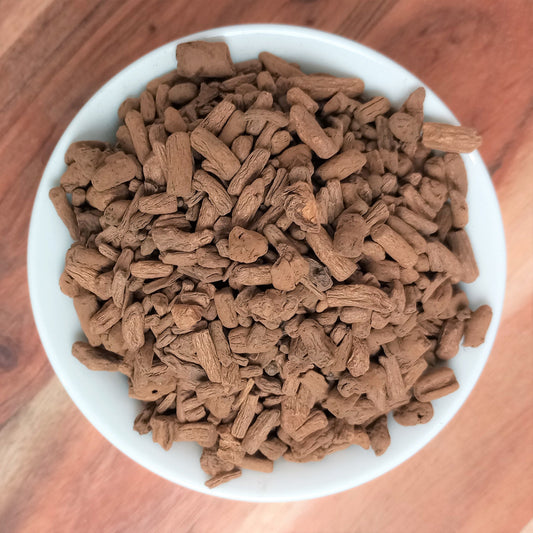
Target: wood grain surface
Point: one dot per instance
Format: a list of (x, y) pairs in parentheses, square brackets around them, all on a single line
[(59, 474)]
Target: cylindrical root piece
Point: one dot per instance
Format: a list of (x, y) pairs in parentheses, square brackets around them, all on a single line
[(476, 326), (434, 384), (342, 165), (312, 134), (450, 338), (450, 138), (208, 60), (395, 245), (65, 212), (341, 268)]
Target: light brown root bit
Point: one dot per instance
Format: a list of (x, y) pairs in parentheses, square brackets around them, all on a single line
[(450, 138)]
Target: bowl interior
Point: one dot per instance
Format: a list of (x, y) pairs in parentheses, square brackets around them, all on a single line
[(103, 397)]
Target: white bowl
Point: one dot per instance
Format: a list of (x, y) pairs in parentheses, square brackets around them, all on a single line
[(103, 397)]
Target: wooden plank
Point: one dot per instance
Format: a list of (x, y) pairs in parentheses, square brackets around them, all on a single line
[(55, 469)]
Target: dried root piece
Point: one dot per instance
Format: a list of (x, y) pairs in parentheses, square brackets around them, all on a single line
[(171, 238), (252, 166), (414, 413), (450, 338), (321, 87), (259, 430), (117, 168), (158, 204), (133, 326), (450, 138), (225, 306), (65, 211), (150, 269), (361, 296), (369, 111), (301, 207), (223, 477), (341, 267), (216, 192), (312, 134), (245, 416), (435, 384), (221, 160), (395, 245), (207, 60), (342, 165), (404, 127), (95, 358), (180, 166), (319, 346), (378, 433), (477, 325), (186, 316), (462, 249)]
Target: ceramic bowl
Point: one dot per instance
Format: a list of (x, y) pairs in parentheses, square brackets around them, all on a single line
[(103, 397)]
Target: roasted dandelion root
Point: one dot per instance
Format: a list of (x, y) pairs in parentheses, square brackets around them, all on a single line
[(271, 259)]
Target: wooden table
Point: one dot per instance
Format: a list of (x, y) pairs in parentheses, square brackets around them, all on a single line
[(58, 474)]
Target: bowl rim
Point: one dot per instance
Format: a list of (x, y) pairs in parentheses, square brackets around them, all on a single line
[(79, 400)]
